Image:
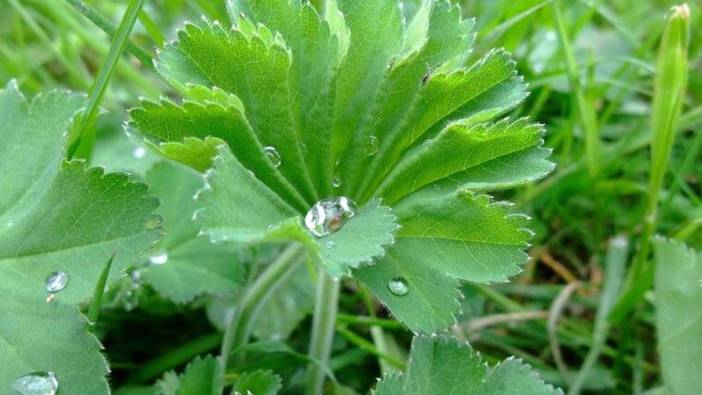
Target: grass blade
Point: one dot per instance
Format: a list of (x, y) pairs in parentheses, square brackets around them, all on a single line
[(585, 109), (96, 302), (99, 86), (106, 26)]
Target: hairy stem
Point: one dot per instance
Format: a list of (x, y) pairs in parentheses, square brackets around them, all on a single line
[(239, 329), (323, 328)]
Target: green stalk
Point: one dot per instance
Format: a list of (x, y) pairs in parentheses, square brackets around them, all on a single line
[(61, 13), (323, 328), (106, 26), (585, 109), (669, 94), (99, 86), (256, 295)]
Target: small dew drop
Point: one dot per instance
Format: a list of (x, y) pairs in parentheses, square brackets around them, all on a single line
[(37, 383), (398, 286), (330, 244), (159, 259), (56, 282), (329, 215), (139, 152), (273, 155), (336, 181), (372, 146)]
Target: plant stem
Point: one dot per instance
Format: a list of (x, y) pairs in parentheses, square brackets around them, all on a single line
[(323, 328), (99, 86), (239, 329)]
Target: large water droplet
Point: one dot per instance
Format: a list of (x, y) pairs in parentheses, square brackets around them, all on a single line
[(398, 286), (56, 282), (372, 145), (159, 259), (37, 383), (329, 215), (273, 155)]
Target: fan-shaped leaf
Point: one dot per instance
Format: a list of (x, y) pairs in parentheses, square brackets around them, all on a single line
[(373, 107)]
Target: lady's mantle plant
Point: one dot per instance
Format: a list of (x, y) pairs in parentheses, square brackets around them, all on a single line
[(389, 119)]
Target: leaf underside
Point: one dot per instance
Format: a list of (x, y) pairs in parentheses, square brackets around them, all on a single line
[(397, 115)]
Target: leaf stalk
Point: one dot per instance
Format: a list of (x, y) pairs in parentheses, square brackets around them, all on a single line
[(256, 295), (323, 329)]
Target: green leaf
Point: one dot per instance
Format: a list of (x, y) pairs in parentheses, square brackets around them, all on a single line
[(447, 96), (184, 264), (679, 315), (171, 124), (59, 216), (445, 238), (197, 379), (441, 365), (253, 65), (369, 103), (436, 36), (239, 207), (312, 72), (259, 382), (459, 147)]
